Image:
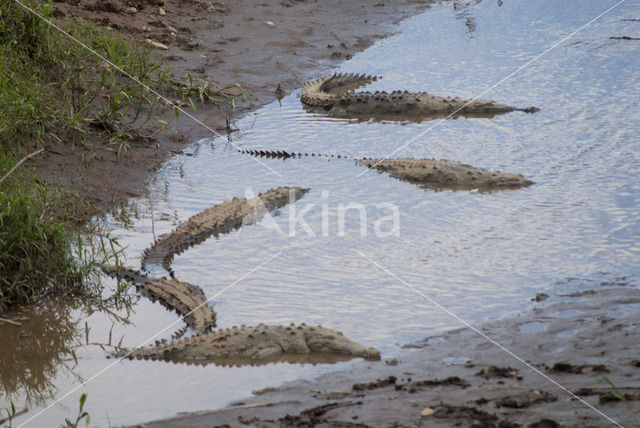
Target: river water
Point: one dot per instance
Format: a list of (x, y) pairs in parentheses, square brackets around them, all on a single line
[(351, 254)]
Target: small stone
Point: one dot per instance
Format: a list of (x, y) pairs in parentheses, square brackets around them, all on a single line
[(270, 24), (392, 362), (336, 394), (156, 45), (132, 10), (540, 297), (161, 11), (264, 390), (428, 411)]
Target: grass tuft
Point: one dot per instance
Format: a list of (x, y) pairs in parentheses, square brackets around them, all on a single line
[(53, 91), (38, 253)]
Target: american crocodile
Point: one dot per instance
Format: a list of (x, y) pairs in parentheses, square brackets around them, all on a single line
[(440, 174), (336, 96), (186, 299), (243, 345), (430, 173), (221, 218), (256, 343)]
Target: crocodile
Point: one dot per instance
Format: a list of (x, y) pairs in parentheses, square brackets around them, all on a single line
[(186, 299), (336, 96), (427, 173), (237, 345), (221, 218), (251, 343)]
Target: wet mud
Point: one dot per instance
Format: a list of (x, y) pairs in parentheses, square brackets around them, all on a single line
[(269, 49), (484, 387)]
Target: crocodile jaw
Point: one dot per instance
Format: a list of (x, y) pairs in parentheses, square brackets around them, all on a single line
[(338, 344)]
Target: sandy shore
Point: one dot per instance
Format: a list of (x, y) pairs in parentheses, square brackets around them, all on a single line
[(462, 379), (258, 45)]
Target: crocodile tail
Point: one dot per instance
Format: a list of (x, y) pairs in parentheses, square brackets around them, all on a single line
[(271, 154), (529, 109), (342, 83), (125, 273), (326, 91), (281, 154)]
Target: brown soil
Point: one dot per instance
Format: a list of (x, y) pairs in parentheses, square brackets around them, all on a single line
[(259, 45), (461, 379)]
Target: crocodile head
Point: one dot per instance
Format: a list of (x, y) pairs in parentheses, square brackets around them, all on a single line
[(324, 340)]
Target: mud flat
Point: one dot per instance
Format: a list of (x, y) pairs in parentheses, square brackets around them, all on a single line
[(462, 379), (261, 46)]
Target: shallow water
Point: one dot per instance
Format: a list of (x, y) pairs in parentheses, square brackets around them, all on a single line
[(480, 255)]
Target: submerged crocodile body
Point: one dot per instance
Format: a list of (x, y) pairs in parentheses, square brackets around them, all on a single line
[(428, 173), (221, 218), (244, 345), (446, 174), (336, 96), (256, 343)]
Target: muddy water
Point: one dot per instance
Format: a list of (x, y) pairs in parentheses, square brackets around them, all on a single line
[(348, 253)]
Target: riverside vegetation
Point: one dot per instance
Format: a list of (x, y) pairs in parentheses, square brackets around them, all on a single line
[(54, 91)]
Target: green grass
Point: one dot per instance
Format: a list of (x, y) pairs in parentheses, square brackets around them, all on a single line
[(50, 92), (35, 255), (40, 254), (617, 395), (54, 91), (52, 88), (11, 414)]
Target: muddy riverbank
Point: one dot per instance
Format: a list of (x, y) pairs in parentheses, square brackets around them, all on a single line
[(462, 379), (263, 47)]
